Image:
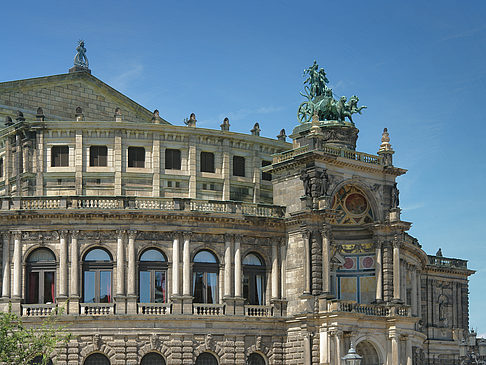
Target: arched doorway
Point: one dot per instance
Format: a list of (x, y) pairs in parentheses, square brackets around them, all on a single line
[(368, 352), (206, 359), (96, 359)]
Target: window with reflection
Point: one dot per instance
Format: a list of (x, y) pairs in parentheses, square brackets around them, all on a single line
[(152, 358), (205, 278), (206, 359), (96, 359), (152, 277), (255, 359), (41, 269), (97, 269), (253, 279)]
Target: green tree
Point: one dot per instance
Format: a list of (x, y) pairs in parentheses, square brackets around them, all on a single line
[(20, 344)]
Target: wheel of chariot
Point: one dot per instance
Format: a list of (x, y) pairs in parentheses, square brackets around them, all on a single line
[(305, 112)]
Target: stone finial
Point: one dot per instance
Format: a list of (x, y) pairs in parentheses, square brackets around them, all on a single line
[(8, 121), (316, 125), (282, 135), (20, 116), (191, 122), (386, 150), (385, 141), (439, 253), (156, 117), (79, 114), (256, 130), (118, 115), (40, 114), (225, 125)]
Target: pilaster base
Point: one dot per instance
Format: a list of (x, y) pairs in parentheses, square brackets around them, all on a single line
[(394, 215), (307, 303), (279, 307), (63, 302), (120, 304), (239, 306), (132, 304), (229, 303), (15, 305), (73, 305), (181, 304)]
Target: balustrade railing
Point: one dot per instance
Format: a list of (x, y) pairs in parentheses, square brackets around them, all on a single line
[(258, 310), (447, 262), (97, 309), (37, 310), (154, 308), (208, 309), (136, 203), (379, 310)]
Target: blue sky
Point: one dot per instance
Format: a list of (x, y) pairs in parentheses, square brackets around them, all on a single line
[(418, 66)]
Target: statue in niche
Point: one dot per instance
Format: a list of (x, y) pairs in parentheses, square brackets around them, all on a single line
[(395, 200), (443, 310), (80, 59), (316, 182), (305, 177)]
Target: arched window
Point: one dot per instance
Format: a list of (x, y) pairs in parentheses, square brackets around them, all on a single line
[(41, 269), (152, 277), (97, 268), (205, 278), (38, 360), (206, 359), (253, 279), (152, 358), (96, 359), (255, 359)]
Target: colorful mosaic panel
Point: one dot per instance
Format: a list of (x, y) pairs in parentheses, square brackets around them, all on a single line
[(356, 278), (351, 206)]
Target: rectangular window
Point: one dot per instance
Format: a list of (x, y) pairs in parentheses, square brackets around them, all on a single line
[(59, 156), (172, 159), (207, 162), (136, 157), (238, 166), (266, 175), (98, 156)]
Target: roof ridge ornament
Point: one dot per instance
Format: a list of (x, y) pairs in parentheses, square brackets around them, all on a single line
[(80, 60), (320, 100)]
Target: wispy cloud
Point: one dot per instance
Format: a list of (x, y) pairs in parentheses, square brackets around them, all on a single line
[(413, 206), (464, 34), (122, 80)]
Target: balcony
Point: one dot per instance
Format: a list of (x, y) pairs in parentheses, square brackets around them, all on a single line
[(259, 311), (152, 309), (37, 310), (208, 309), (377, 310), (97, 309), (124, 203)]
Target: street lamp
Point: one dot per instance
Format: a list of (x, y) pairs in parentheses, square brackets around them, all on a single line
[(352, 358)]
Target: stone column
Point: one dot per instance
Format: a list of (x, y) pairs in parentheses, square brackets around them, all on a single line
[(17, 263), (378, 271), (414, 290), (63, 264), (408, 351), (74, 295), (275, 271), (6, 266), (227, 266), (394, 347), (324, 347), (396, 271), (238, 271), (118, 162), (283, 266), (39, 182), (326, 272), (419, 294), (156, 165), (226, 169), (192, 168), (186, 265), (132, 274), (307, 348), (175, 265), (307, 268), (337, 339), (239, 300), (78, 162), (120, 273)]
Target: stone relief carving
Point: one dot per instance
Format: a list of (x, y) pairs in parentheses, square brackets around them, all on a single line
[(97, 341), (316, 182)]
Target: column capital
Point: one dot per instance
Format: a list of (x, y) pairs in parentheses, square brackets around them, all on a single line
[(228, 237), (121, 233), (326, 230), (74, 234), (132, 234), (238, 238), (396, 242), (187, 235), (17, 235), (6, 235), (175, 235), (63, 233), (306, 233)]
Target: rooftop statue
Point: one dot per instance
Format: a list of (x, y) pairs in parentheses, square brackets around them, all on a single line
[(320, 99), (80, 59)]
